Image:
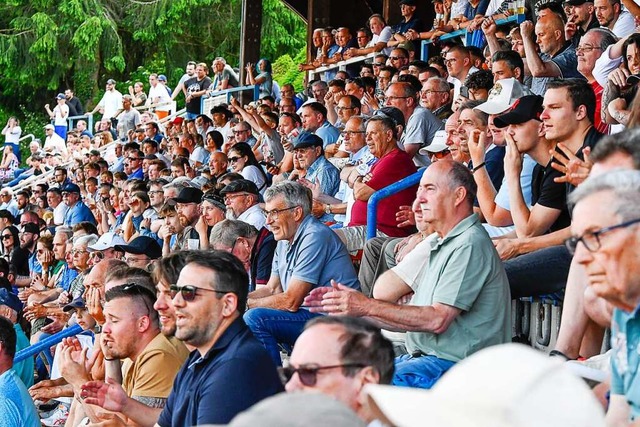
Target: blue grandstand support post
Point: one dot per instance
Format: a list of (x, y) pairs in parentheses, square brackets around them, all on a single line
[(54, 339), (396, 187), (424, 50)]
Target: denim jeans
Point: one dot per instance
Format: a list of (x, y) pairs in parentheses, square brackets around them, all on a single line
[(539, 272), (272, 327), (419, 372), (18, 175)]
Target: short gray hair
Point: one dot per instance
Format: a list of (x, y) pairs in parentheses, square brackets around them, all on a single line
[(295, 194), (85, 240), (226, 232), (623, 184), (64, 230), (443, 85)]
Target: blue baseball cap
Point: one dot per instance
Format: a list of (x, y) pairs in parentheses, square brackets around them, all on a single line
[(307, 139), (10, 300)]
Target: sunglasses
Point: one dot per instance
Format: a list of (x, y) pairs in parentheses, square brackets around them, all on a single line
[(6, 236), (233, 159), (189, 292), (309, 375)]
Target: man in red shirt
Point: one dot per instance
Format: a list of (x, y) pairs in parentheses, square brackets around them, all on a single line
[(393, 165)]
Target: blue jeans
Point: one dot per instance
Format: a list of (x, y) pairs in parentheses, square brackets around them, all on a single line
[(19, 175), (539, 272), (272, 327), (419, 372)]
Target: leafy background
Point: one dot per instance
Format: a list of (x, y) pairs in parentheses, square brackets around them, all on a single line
[(47, 46)]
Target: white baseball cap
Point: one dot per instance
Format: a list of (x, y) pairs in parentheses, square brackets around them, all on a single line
[(438, 144), (106, 241), (502, 96), (510, 385)]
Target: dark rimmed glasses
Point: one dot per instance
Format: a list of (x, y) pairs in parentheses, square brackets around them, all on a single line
[(309, 374), (591, 239)]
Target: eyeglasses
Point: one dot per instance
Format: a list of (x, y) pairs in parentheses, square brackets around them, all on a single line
[(99, 255), (6, 236), (430, 91), (230, 197), (234, 159), (240, 131), (134, 159), (378, 64), (591, 239), (189, 292), (151, 193), (395, 58), (309, 375), (77, 252), (391, 97), (275, 213), (344, 108), (134, 260), (351, 133), (587, 48)]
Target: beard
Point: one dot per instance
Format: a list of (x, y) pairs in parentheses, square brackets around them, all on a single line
[(230, 215)]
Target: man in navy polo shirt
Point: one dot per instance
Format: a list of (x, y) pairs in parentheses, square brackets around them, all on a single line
[(229, 370)]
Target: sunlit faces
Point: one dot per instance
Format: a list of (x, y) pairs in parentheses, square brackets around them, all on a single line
[(612, 269), (559, 118), (282, 218)]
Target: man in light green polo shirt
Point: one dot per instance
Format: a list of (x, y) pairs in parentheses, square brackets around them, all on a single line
[(461, 302)]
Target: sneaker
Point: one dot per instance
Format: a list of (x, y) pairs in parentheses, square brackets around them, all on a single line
[(58, 417)]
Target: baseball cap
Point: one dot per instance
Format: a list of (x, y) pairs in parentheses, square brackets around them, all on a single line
[(307, 139), (408, 2), (177, 121), (509, 385), (298, 410), (142, 245), (10, 300), (391, 112), (162, 78), (577, 2), (438, 144), (78, 302), (111, 82), (188, 195), (527, 108), (215, 199), (31, 228), (502, 95), (49, 126), (240, 186), (71, 188), (60, 96), (107, 241)]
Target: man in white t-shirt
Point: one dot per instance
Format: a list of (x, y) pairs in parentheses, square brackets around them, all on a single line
[(53, 141), (59, 115), (158, 95), (111, 101), (610, 14)]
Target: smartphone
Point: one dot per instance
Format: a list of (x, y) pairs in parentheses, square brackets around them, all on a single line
[(464, 91), (267, 164)]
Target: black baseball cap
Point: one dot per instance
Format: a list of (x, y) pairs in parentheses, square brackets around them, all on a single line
[(524, 109), (142, 245), (188, 195), (240, 186)]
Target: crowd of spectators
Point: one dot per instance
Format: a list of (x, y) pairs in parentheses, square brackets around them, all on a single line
[(218, 258)]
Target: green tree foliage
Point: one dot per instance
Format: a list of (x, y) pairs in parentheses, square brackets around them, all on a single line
[(49, 45)]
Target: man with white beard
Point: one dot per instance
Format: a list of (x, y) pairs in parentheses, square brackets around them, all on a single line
[(241, 198)]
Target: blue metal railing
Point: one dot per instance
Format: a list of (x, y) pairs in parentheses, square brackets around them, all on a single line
[(424, 50), (54, 339), (396, 187)]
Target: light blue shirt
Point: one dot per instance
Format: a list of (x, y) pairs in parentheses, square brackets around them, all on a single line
[(16, 406), (315, 256), (78, 213), (502, 198), (24, 369), (328, 132), (625, 358)]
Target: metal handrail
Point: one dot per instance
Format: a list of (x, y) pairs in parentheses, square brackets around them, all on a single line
[(52, 340), (390, 190), (341, 65), (424, 48)]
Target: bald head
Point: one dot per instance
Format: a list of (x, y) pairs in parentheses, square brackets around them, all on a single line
[(550, 34)]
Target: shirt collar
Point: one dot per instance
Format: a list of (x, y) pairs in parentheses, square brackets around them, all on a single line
[(459, 228)]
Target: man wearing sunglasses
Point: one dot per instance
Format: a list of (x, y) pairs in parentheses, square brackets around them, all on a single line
[(78, 211), (605, 241), (229, 370), (338, 356)]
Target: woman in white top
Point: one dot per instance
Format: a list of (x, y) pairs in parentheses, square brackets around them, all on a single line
[(243, 161), (12, 133)]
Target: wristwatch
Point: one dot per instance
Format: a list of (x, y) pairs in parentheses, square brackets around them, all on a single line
[(327, 209)]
